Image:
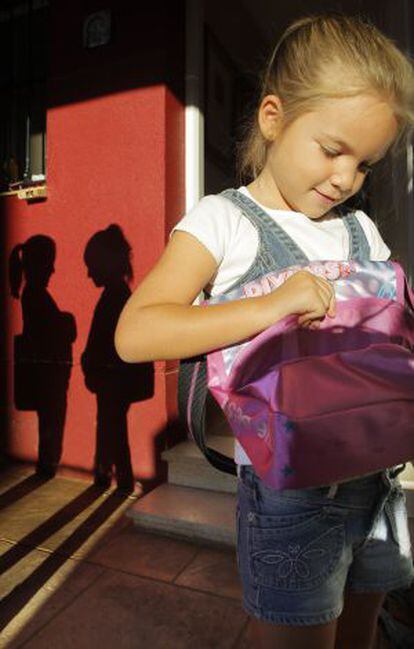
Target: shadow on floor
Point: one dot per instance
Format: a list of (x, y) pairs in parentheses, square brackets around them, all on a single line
[(76, 572)]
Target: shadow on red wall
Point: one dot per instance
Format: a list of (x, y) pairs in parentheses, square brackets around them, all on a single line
[(115, 145)]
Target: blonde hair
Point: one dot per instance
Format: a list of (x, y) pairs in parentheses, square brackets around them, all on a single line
[(321, 57)]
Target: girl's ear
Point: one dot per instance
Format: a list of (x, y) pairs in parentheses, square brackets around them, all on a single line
[(270, 117)]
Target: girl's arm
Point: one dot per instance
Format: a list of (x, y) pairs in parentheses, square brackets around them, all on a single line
[(159, 321)]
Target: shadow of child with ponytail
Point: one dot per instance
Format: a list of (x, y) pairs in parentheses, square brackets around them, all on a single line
[(115, 383), (43, 351)]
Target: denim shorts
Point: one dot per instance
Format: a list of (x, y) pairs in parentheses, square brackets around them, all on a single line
[(299, 549)]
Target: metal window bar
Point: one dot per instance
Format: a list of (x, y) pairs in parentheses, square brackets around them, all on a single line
[(23, 126), (27, 165)]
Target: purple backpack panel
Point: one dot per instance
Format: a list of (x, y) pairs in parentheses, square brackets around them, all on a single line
[(313, 407)]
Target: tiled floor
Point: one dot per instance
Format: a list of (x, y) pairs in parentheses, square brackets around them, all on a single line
[(76, 574)]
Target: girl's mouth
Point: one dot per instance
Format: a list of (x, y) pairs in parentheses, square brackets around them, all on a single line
[(325, 198)]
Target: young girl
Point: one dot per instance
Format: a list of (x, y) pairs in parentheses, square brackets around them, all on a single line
[(336, 95)]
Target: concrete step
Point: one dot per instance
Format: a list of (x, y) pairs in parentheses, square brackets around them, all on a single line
[(201, 514), (194, 514), (188, 467)]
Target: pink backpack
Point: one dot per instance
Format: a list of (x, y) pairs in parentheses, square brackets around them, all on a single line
[(313, 407)]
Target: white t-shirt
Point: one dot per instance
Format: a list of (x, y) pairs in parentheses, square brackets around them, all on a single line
[(232, 240)]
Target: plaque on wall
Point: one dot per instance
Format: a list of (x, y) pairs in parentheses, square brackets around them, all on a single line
[(97, 29)]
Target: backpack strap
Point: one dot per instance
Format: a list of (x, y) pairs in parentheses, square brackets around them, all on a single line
[(192, 396), (359, 248), (276, 249)]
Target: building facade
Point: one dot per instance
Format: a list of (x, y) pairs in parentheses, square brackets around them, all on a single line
[(123, 115)]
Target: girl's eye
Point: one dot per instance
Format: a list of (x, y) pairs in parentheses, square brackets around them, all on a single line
[(364, 167), (329, 152)]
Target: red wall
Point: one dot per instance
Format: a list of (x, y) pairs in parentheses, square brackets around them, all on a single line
[(115, 154)]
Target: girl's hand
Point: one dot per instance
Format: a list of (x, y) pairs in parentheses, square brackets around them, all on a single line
[(309, 296)]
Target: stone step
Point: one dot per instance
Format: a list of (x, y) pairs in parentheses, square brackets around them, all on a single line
[(193, 514), (199, 514), (188, 467)]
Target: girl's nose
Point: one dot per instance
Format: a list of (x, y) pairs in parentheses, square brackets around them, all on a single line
[(344, 182), (344, 178)]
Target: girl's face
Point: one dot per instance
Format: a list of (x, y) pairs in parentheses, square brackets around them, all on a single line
[(323, 157)]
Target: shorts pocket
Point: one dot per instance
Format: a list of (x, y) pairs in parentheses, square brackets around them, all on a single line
[(295, 552), (396, 511)]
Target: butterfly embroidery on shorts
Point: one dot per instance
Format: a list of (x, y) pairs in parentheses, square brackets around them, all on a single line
[(294, 561)]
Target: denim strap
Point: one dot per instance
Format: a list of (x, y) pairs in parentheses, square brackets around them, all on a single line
[(359, 248), (276, 249)]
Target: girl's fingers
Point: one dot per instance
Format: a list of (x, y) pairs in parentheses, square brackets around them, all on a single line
[(315, 324), (325, 286), (327, 293), (313, 319), (332, 307), (327, 305), (310, 317)]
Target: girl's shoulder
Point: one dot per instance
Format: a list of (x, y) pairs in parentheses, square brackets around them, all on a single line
[(216, 222), (215, 208)]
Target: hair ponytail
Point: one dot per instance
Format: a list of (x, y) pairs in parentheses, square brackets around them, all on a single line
[(16, 270), (116, 240)]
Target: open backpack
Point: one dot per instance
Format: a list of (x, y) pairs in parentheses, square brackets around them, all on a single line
[(313, 407)]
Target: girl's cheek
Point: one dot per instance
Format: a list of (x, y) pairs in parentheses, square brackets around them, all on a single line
[(358, 184)]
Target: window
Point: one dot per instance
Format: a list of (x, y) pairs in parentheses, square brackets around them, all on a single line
[(23, 68)]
